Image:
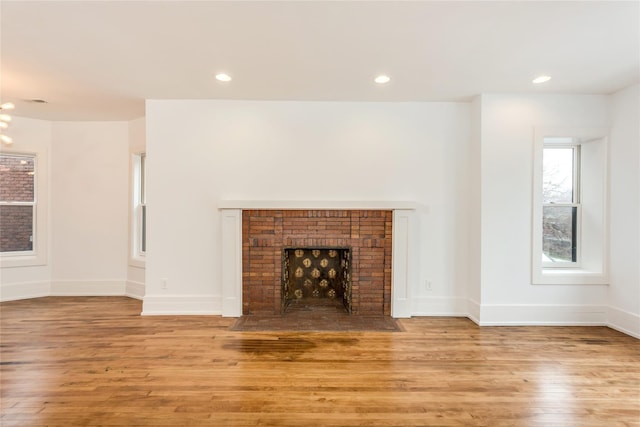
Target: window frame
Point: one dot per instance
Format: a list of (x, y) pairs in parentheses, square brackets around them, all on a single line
[(593, 241), (576, 203), (38, 255), (138, 212)]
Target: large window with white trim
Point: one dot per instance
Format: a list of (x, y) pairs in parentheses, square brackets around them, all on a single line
[(17, 204), (569, 239), (23, 208)]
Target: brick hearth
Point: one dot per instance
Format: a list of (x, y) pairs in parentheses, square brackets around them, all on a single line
[(366, 232)]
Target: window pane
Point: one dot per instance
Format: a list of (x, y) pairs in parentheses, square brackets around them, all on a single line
[(16, 228), (559, 234), (557, 175), (17, 178), (143, 234), (143, 193)]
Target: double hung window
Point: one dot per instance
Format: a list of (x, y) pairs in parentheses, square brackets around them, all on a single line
[(139, 206), (569, 221), (17, 204), (561, 209)]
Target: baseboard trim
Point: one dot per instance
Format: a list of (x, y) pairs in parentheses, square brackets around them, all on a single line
[(483, 315), (623, 321), (181, 305), (439, 306), (82, 288), (551, 315), (135, 289), (25, 290), (473, 311)]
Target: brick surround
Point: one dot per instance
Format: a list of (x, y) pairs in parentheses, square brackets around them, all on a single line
[(366, 232)]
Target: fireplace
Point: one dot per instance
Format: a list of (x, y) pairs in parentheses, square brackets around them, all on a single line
[(255, 232), (294, 254), (310, 275)]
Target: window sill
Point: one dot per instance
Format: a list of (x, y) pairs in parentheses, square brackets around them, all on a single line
[(31, 260), (569, 276)]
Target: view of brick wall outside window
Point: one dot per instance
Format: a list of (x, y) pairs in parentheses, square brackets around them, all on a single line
[(17, 191)]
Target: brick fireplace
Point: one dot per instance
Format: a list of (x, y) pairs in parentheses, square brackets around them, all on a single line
[(379, 237), (317, 236)]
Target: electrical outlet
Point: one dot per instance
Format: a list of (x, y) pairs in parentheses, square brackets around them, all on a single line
[(164, 283)]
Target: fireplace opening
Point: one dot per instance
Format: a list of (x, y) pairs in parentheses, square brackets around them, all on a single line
[(316, 276)]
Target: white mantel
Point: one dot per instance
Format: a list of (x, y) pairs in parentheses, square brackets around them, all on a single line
[(320, 205), (404, 245)]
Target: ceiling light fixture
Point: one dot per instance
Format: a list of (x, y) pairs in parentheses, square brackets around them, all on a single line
[(222, 77), (541, 79), (382, 79), (5, 119)]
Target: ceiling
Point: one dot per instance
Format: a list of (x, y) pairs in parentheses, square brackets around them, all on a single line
[(99, 60)]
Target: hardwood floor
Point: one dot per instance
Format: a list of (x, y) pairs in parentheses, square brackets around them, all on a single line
[(94, 361)]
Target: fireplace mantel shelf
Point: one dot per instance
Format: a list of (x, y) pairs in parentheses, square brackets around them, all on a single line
[(319, 204)]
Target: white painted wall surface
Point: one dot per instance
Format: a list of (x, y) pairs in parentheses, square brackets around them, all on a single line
[(508, 123), (624, 155), (470, 163), (90, 177), (474, 286), (201, 152)]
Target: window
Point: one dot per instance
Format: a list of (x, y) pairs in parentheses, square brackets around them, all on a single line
[(17, 204), (560, 203), (569, 239), (139, 216)]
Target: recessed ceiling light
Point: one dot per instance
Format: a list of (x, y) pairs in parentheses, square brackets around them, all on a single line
[(222, 77), (541, 79), (382, 79)]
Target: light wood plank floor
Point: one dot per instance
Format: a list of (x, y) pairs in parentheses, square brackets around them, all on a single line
[(95, 361)]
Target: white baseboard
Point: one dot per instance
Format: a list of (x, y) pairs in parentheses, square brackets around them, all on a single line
[(135, 289), (623, 321), (473, 311), (484, 315), (439, 306), (77, 288), (552, 315), (26, 290), (179, 305)]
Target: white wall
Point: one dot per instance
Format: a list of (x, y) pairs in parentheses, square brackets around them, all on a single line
[(470, 163), (507, 129), (201, 152), (474, 214), (624, 155), (90, 180)]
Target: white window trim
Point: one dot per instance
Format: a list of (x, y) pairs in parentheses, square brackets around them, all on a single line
[(38, 255), (136, 256), (571, 274)]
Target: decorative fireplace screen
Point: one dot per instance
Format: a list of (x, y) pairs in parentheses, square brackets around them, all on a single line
[(316, 273)]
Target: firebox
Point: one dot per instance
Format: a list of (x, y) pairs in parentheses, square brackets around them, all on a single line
[(316, 274)]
